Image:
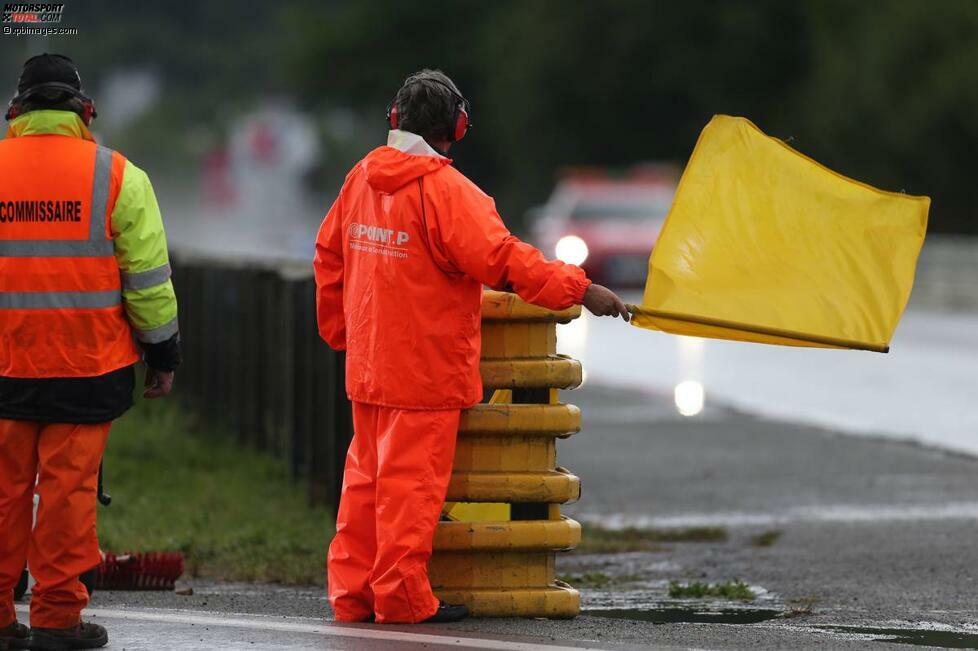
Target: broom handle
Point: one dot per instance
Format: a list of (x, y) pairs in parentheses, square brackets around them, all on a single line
[(104, 498)]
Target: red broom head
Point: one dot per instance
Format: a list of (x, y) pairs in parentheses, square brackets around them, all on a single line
[(147, 571)]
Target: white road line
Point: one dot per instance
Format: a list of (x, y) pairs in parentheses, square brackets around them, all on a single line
[(265, 623)]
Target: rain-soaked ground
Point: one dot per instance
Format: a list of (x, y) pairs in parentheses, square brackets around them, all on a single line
[(837, 536), (843, 542)]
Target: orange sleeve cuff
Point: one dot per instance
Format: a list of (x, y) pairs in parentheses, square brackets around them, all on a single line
[(582, 284)]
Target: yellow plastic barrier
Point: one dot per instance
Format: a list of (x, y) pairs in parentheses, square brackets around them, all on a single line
[(496, 554)]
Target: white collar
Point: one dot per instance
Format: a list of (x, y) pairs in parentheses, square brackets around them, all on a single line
[(410, 143)]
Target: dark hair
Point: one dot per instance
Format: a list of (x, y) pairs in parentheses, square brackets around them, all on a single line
[(425, 106), (52, 100)]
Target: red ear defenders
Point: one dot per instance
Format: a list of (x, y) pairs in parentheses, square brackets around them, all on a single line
[(88, 105), (460, 117)]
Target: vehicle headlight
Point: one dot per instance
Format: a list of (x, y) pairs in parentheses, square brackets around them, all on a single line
[(571, 249), (689, 397)]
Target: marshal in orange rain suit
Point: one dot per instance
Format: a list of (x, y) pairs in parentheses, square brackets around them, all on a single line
[(401, 260), (84, 275)]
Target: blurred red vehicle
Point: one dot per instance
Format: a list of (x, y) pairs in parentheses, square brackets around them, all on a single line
[(606, 223)]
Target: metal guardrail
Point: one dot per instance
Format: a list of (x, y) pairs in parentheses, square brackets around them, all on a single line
[(256, 367)]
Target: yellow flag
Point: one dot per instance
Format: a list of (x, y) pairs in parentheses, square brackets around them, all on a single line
[(764, 244)]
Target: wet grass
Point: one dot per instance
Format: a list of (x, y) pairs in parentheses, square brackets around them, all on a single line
[(598, 580), (599, 540), (234, 513), (766, 539), (800, 607), (732, 590)]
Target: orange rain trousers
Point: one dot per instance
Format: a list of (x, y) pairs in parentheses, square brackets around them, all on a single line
[(394, 486), (64, 461)]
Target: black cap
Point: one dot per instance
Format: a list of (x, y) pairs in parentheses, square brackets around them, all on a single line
[(48, 68)]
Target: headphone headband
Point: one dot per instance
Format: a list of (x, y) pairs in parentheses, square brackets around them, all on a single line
[(457, 95), (460, 118)]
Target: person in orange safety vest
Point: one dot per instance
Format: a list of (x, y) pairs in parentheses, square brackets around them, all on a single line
[(85, 293), (401, 260)]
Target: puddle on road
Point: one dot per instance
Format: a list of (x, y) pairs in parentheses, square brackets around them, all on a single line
[(691, 615), (948, 639), (919, 637)]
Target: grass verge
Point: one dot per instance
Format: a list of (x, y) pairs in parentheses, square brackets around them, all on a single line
[(737, 590), (598, 540), (234, 513)]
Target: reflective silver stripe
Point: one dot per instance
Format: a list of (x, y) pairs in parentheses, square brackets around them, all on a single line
[(96, 245), (59, 300), (162, 333), (100, 194), (144, 279), (56, 249)]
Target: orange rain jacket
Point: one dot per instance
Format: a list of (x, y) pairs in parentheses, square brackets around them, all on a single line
[(401, 259)]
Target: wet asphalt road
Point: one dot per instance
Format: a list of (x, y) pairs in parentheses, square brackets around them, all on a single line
[(873, 534)]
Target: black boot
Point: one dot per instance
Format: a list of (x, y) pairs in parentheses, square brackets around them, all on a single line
[(15, 636), (447, 613), (82, 636)]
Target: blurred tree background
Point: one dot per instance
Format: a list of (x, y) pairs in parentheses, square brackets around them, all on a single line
[(886, 91)]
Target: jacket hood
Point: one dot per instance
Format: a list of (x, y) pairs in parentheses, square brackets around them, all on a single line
[(405, 158), (47, 123)]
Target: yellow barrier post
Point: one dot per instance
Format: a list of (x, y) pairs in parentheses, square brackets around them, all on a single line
[(496, 552)]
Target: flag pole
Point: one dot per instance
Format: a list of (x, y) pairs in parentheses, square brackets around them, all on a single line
[(760, 330)]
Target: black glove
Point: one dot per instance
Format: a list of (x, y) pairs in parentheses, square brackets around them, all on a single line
[(164, 356)]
